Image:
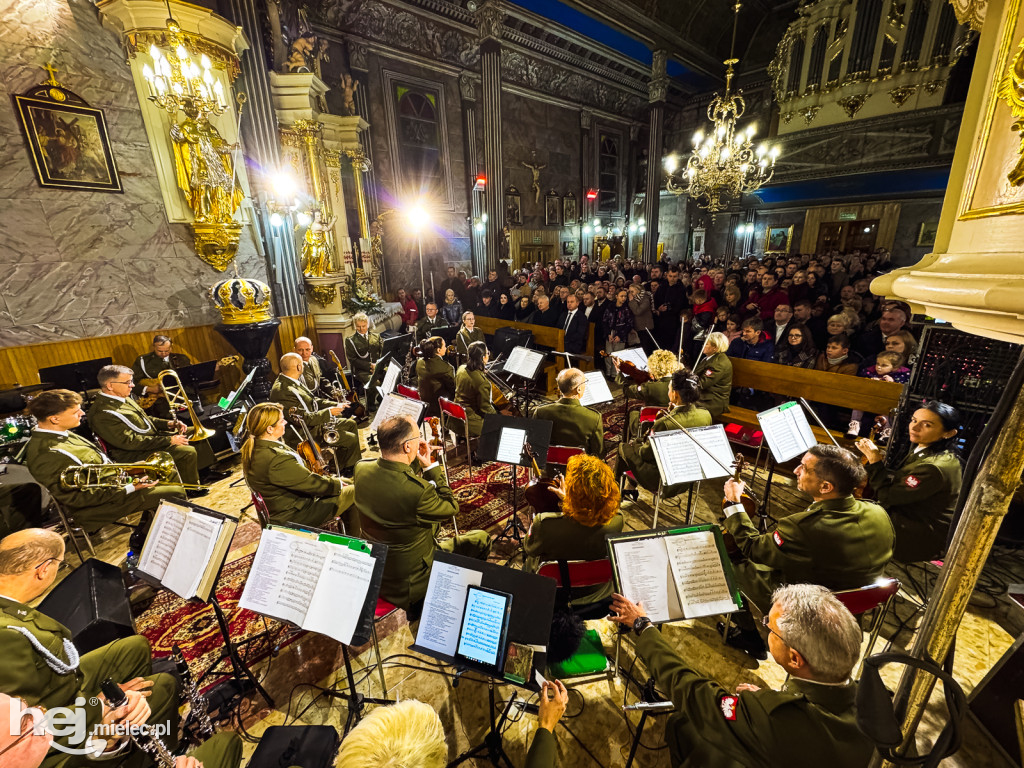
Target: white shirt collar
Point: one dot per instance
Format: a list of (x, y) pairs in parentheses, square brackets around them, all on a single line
[(290, 378), (113, 397), (63, 432)]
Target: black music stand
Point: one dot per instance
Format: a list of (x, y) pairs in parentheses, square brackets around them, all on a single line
[(193, 376), (78, 377), (397, 346), (538, 440), (527, 391)]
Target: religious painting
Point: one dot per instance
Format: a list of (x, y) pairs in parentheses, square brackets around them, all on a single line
[(67, 139), (926, 233), (568, 247), (513, 206), (569, 210), (552, 209), (778, 239)]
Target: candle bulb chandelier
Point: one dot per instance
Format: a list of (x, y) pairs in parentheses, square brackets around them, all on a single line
[(724, 163), (176, 81)]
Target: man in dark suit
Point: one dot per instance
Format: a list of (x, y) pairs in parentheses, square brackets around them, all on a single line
[(575, 325), (545, 314)]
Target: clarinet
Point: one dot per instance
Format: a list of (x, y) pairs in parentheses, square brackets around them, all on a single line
[(141, 737), (199, 706)]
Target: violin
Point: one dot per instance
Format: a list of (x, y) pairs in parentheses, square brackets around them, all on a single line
[(357, 410), (749, 506), (628, 368), (436, 443), (307, 448), (881, 431), (539, 493)]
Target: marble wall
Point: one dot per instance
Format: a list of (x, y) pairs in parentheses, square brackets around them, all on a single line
[(79, 264)]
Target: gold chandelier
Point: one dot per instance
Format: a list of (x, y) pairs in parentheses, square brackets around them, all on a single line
[(724, 163)]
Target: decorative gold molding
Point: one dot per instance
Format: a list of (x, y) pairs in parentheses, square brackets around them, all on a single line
[(216, 243), (970, 12), (852, 104), (900, 95), (135, 42), (1011, 91), (323, 295)]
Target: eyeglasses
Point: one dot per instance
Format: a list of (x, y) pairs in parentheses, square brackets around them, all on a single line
[(764, 621), (130, 382), (61, 564)]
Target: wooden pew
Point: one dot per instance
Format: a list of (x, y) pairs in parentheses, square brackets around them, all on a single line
[(853, 392), (545, 337)]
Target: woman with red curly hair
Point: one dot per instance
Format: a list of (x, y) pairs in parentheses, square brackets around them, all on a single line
[(590, 510)]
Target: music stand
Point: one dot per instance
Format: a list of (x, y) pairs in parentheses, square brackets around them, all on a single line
[(193, 375), (505, 439), (526, 364), (78, 377), (448, 333), (397, 346)]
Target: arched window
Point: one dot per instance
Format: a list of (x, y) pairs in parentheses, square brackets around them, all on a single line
[(419, 138)]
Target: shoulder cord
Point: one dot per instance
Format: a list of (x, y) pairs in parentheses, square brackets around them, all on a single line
[(58, 666)]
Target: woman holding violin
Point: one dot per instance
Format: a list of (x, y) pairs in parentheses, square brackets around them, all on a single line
[(473, 388), (661, 364), (435, 376), (292, 493), (714, 372)]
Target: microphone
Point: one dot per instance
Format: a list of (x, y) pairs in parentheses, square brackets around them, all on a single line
[(141, 736), (650, 706)]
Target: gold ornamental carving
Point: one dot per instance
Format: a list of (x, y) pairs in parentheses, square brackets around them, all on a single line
[(225, 59), (216, 243), (970, 12), (1011, 90), (810, 113), (900, 95), (323, 295), (852, 104)]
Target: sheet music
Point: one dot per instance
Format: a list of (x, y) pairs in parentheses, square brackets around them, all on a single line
[(390, 377), (597, 389), (787, 431), (635, 355), (510, 445), (677, 458), (395, 405), (699, 576), (340, 594), (524, 362), (283, 575), (192, 554), (645, 576), (717, 442), (162, 539), (442, 609)]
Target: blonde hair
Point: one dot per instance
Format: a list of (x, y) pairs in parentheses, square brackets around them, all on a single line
[(259, 419), (662, 363), (408, 734), (718, 340)]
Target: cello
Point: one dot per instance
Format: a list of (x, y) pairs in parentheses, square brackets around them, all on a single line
[(358, 410), (307, 449)]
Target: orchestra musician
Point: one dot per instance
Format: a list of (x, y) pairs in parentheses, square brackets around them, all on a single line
[(428, 324), (715, 374), (468, 334), (684, 394), (131, 435), (435, 376), (661, 364), (839, 542), (362, 349), (312, 369), (402, 499), (920, 496), (573, 425), (54, 447), (291, 492), (473, 388), (147, 367), (290, 392)]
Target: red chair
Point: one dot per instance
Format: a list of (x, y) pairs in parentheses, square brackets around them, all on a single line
[(648, 415), (450, 410), (381, 612), (559, 455), (262, 512), (411, 392), (873, 597)]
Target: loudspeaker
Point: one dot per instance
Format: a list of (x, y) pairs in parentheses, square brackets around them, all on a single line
[(506, 339), (92, 602), (302, 746)]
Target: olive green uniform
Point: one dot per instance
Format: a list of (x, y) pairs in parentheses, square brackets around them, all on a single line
[(311, 374), (291, 492), (920, 498), (805, 725), (473, 392), (715, 376), (361, 353), (837, 543), (553, 536), (27, 674), (132, 436), (149, 366), (404, 509), (436, 379), (542, 750), (574, 425), (316, 412), (49, 453), (425, 328), (466, 337), (641, 461), (651, 393)]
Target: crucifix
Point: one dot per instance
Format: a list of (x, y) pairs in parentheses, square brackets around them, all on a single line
[(53, 75), (536, 169)]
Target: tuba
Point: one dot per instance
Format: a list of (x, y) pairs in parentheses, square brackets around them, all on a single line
[(178, 399), (159, 467)]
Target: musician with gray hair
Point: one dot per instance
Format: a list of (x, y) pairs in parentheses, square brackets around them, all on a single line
[(573, 424), (811, 721)]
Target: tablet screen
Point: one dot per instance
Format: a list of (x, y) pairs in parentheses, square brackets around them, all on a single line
[(484, 626)]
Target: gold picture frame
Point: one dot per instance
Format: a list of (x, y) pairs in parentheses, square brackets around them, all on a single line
[(67, 140), (926, 234), (778, 239)]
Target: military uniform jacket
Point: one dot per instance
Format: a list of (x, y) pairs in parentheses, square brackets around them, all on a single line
[(920, 497), (436, 379), (48, 454), (289, 489), (465, 337), (837, 543), (806, 725), (129, 433), (149, 366), (646, 469), (291, 394), (361, 352), (553, 536), (425, 327), (651, 392), (311, 374), (715, 376), (473, 392), (403, 509), (574, 425)]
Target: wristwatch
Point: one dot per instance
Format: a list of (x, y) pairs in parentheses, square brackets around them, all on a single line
[(641, 624)]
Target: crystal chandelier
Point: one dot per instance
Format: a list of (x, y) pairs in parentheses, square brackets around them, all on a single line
[(724, 163), (176, 83)]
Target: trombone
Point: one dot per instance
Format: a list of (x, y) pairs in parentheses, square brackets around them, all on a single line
[(159, 467), (178, 399)]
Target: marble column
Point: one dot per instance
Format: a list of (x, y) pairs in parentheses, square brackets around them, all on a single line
[(259, 132), (658, 91), (489, 23), (467, 88)]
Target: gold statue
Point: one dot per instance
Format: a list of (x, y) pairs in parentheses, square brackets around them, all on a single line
[(316, 247), (202, 161), (1011, 90)]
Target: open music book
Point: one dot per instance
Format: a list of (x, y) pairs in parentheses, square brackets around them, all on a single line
[(524, 362), (787, 431), (391, 377), (635, 355), (185, 548), (396, 405), (681, 460), (597, 389), (676, 574), (317, 581)]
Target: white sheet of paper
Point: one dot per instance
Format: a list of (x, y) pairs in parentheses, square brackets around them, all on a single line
[(192, 554), (787, 431), (340, 594), (698, 573), (396, 405), (645, 576), (677, 458), (442, 609), (597, 389), (524, 362), (510, 445), (283, 576), (715, 440), (635, 355), (390, 377), (162, 539)]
